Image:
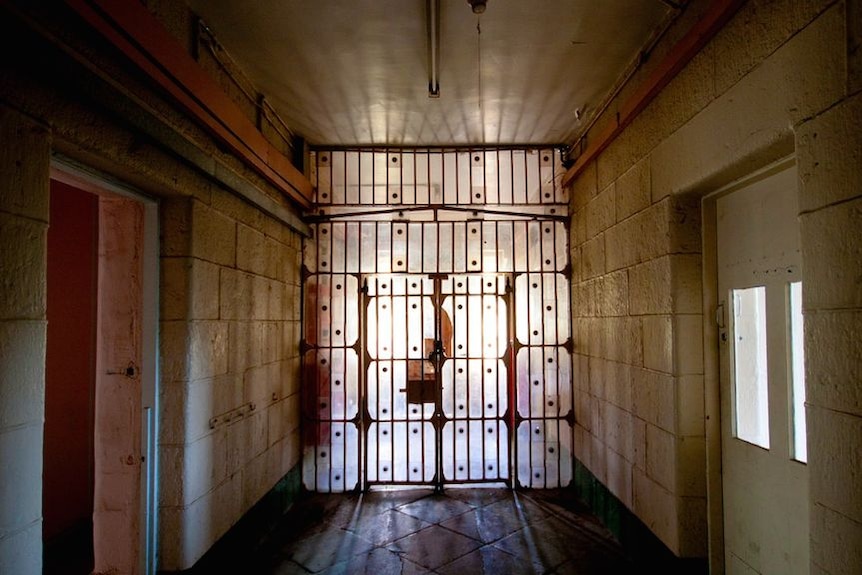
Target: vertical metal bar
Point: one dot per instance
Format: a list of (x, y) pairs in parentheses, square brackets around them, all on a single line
[(438, 387)]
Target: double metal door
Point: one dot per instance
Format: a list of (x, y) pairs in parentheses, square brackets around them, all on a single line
[(437, 390)]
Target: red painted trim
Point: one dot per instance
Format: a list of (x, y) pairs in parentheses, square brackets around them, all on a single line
[(130, 27), (719, 13)]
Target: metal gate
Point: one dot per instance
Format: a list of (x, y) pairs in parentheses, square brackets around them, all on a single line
[(436, 324), (437, 379)]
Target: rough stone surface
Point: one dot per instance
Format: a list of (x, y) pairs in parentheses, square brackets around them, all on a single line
[(830, 152), (831, 246), (22, 270), (22, 372)]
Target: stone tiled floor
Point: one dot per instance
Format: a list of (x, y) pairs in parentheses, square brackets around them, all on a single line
[(463, 531)]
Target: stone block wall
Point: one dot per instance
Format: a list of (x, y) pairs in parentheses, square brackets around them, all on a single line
[(637, 337), (781, 78), (230, 337), (23, 327)]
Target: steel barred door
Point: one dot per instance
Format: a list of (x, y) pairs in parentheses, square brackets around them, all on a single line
[(437, 387), (436, 323)]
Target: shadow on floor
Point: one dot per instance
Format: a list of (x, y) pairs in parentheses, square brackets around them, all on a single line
[(463, 531)]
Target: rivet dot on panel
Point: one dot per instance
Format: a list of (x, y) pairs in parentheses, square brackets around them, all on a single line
[(536, 382), (460, 468), (323, 361), (395, 197), (550, 450), (385, 469), (323, 307), (413, 306), (549, 308), (322, 405), (489, 370), (535, 285), (337, 286), (550, 360), (399, 263), (337, 434), (338, 478), (323, 454), (338, 332), (547, 262), (473, 231), (399, 231), (385, 369), (385, 432), (415, 431), (535, 332), (474, 263), (415, 470), (324, 231), (460, 430), (385, 411), (323, 264), (461, 407), (337, 382)]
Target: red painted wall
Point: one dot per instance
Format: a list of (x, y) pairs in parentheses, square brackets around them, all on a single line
[(70, 363)]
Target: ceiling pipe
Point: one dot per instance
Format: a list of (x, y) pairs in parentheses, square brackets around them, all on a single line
[(433, 48)]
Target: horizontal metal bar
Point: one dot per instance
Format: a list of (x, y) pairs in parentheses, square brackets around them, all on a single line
[(431, 213)]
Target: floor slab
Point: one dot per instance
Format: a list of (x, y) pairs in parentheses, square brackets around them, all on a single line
[(460, 531)]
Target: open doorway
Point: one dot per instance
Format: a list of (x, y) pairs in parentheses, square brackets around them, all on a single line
[(99, 431)]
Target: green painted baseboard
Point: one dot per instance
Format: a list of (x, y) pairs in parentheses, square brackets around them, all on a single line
[(236, 546), (639, 543)]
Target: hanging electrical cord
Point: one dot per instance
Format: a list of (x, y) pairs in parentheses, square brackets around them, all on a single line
[(479, 57)]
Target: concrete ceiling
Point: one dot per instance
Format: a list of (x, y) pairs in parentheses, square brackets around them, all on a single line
[(355, 72)]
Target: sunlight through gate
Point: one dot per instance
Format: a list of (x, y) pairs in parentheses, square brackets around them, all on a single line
[(436, 321)]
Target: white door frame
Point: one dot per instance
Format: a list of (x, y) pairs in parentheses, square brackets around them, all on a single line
[(716, 317)]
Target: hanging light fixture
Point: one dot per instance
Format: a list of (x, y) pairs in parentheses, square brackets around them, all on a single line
[(433, 48)]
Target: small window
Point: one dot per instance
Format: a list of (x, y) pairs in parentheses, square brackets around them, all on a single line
[(750, 381), (799, 448)]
